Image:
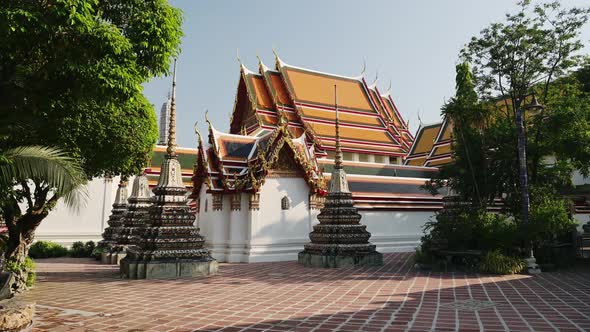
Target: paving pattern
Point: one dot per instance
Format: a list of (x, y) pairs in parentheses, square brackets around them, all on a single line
[(80, 295)]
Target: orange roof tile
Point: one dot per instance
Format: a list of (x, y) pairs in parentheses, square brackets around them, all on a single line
[(425, 139), (316, 88), (345, 117), (263, 98)]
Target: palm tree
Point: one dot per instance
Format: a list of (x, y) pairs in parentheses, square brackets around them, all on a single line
[(30, 175)]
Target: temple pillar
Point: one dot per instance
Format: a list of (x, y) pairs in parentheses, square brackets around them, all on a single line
[(252, 222), (217, 226), (371, 158), (236, 243), (355, 156)]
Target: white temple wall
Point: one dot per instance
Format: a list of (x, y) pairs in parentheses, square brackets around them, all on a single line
[(214, 224), (278, 234), (238, 233), (65, 225), (395, 231)]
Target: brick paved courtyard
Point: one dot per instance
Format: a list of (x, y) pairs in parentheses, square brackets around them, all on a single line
[(80, 295)]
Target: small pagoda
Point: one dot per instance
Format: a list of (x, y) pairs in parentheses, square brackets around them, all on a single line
[(339, 240), (171, 246), (135, 217), (111, 236)]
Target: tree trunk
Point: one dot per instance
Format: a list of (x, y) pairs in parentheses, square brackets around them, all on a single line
[(21, 234)]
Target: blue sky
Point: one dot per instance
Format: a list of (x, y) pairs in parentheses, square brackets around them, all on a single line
[(413, 44)]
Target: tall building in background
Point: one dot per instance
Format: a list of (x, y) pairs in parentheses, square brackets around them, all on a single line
[(164, 121)]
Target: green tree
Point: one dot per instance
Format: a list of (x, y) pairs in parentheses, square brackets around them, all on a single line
[(536, 50), (34, 166), (71, 75), (531, 52)]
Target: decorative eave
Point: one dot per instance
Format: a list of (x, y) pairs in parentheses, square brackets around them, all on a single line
[(200, 169), (267, 159)]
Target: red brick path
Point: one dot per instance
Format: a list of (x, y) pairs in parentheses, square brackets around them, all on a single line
[(79, 295)]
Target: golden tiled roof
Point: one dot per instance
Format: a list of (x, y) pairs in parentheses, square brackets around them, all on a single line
[(425, 139), (370, 122), (316, 88), (263, 99)]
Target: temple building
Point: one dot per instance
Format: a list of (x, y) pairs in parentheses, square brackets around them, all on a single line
[(258, 188)]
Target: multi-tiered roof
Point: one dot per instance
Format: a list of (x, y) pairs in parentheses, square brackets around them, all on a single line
[(370, 121), (283, 122)]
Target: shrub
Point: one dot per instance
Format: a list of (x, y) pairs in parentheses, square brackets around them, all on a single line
[(81, 249), (470, 229), (497, 263), (550, 218), (46, 249), (498, 232), (27, 268)]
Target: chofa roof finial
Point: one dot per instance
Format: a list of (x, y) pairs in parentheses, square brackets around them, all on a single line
[(196, 127), (364, 68)]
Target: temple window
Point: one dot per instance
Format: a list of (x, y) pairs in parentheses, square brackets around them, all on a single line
[(347, 156), (331, 155), (363, 157), (285, 204)]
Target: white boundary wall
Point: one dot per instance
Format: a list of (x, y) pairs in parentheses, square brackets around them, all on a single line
[(66, 226)]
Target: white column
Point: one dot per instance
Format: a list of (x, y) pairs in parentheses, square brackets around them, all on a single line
[(216, 224), (237, 229), (371, 158), (253, 222)]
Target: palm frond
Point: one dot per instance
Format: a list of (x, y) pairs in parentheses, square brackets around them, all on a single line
[(50, 165)]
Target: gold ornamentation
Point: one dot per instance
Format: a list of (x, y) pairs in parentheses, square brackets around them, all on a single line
[(217, 202), (254, 201), (236, 202)]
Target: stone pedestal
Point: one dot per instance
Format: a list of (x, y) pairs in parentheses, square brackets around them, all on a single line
[(334, 260), (168, 269)]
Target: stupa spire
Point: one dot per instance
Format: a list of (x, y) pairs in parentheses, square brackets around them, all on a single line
[(338, 181), (171, 150), (338, 158)]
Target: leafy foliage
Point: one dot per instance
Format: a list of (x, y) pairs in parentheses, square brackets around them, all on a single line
[(497, 263), (47, 249), (550, 217), (43, 165), (72, 72), (71, 75), (26, 268), (470, 229), (81, 249)]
